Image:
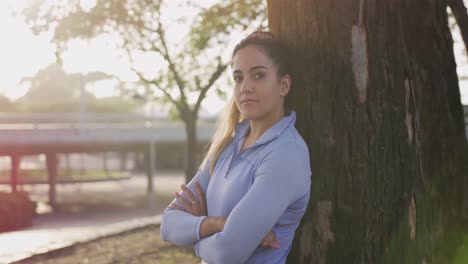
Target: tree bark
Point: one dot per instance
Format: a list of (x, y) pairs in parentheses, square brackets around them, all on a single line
[(377, 101), (461, 16), (191, 164)]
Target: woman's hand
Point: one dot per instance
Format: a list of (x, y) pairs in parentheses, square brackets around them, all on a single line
[(194, 205), (197, 207), (270, 241)]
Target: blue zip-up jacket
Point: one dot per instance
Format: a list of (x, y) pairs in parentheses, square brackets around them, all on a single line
[(264, 187)]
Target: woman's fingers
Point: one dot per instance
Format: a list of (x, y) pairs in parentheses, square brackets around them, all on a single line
[(199, 191), (190, 202), (275, 243), (175, 206), (182, 201), (275, 240), (188, 193), (270, 241), (267, 242)]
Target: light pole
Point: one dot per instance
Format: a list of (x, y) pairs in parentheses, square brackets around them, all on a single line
[(151, 157), (82, 102)]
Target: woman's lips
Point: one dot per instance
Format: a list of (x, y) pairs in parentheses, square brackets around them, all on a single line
[(248, 101)]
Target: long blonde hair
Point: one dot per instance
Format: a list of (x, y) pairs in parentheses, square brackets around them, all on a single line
[(224, 133)]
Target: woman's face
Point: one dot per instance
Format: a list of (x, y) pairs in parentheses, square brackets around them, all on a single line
[(259, 92)]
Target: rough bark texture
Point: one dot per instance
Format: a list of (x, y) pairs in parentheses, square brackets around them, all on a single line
[(377, 101)]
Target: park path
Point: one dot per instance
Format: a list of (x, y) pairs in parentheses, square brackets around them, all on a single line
[(87, 211)]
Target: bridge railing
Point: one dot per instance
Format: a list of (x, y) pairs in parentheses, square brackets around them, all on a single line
[(90, 120)]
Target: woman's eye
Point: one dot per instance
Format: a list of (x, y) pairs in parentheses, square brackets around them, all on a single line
[(237, 79), (259, 75)]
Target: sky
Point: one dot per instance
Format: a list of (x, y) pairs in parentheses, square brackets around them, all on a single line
[(22, 54)]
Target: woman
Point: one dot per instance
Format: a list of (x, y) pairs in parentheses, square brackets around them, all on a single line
[(247, 199)]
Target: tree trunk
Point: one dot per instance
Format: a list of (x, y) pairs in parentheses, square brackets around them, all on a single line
[(82, 165), (123, 160), (105, 166), (377, 101), (67, 165), (52, 170), (191, 164)]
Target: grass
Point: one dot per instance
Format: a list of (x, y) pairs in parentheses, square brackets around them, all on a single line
[(461, 255)]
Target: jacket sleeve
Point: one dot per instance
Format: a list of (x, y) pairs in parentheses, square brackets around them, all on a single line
[(280, 179), (180, 227)]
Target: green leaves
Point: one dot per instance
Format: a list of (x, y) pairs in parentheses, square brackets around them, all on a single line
[(226, 17)]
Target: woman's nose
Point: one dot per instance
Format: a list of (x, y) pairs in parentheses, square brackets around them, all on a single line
[(246, 86)]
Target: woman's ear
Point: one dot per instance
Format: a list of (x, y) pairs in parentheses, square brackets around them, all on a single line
[(285, 83)]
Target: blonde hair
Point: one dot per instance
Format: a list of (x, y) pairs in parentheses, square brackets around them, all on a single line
[(224, 133)]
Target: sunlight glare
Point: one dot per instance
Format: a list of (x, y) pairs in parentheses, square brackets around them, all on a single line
[(21, 53), (87, 4), (103, 89)]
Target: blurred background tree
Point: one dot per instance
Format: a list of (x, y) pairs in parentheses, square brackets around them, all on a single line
[(6, 105), (53, 90), (185, 67)]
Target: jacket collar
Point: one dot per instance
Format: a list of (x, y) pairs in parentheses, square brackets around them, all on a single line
[(273, 132)]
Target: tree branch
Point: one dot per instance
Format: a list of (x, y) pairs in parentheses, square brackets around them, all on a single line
[(165, 54), (156, 83), (215, 76)]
